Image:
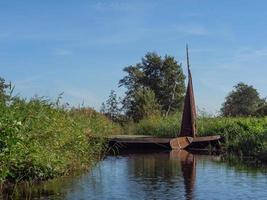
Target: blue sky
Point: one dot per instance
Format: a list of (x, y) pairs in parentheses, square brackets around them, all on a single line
[(80, 47)]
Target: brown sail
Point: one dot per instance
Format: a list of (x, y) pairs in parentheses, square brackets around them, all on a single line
[(188, 126)]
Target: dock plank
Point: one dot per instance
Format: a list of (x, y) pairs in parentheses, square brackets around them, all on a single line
[(147, 141), (206, 138), (138, 139)]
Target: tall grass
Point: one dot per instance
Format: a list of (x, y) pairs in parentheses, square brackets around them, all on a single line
[(159, 126), (245, 136), (39, 139)]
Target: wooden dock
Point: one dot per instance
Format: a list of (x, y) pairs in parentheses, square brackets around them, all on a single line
[(148, 141), (138, 142)]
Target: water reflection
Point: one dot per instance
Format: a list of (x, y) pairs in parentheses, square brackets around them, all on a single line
[(153, 175), (156, 172), (188, 167)]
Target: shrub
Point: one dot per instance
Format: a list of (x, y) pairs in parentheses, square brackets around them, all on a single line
[(40, 139), (243, 135)]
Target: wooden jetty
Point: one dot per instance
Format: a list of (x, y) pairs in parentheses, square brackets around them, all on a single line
[(138, 142), (186, 139), (148, 141)]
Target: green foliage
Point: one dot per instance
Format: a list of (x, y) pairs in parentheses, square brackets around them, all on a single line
[(245, 136), (111, 107), (163, 76), (159, 126), (146, 103), (244, 100), (3, 90), (40, 139), (261, 111), (93, 123)]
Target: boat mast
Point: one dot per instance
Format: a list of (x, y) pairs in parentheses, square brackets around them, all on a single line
[(187, 59), (188, 126)]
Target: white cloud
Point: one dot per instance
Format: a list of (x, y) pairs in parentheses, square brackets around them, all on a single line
[(136, 33), (246, 54), (244, 59)]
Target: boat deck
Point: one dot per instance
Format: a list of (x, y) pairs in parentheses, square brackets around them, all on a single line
[(150, 141)]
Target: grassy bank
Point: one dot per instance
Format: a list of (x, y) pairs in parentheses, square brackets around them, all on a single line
[(244, 136), (40, 139)]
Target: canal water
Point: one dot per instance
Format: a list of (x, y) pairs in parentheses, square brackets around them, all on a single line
[(157, 175)]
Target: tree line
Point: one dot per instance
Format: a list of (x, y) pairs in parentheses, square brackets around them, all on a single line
[(156, 85)]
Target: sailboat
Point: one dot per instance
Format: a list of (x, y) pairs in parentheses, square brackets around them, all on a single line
[(187, 137)]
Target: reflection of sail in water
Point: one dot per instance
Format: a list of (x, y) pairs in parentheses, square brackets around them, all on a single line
[(188, 166)]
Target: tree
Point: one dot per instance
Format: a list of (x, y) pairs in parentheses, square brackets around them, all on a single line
[(244, 100), (111, 107), (3, 90), (146, 103), (162, 76), (103, 108), (261, 111)]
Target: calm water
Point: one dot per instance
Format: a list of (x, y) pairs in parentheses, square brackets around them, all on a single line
[(161, 175)]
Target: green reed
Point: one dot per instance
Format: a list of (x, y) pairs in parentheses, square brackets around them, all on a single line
[(243, 136), (40, 139)]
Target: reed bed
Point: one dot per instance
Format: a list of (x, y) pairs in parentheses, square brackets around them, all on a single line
[(41, 139), (245, 136)]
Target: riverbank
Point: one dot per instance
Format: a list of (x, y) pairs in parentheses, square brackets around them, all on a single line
[(41, 139), (146, 175), (243, 136)]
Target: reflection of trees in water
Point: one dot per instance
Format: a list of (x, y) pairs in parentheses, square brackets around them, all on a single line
[(155, 173), (157, 165), (148, 176), (174, 170), (43, 190), (27, 193)]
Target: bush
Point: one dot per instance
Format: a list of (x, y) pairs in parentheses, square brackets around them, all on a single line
[(245, 136), (159, 126), (40, 139)]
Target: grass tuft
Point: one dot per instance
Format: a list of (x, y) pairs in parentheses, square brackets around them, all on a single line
[(40, 139)]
